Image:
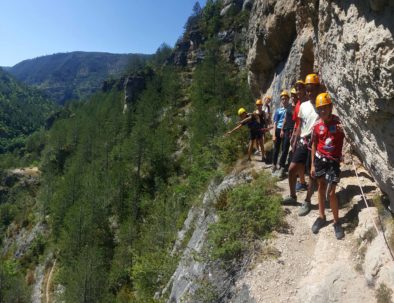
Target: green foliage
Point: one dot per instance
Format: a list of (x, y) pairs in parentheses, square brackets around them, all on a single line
[(194, 19), (117, 187), (22, 111), (12, 285), (251, 212), (211, 22), (206, 292), (161, 55), (35, 250), (84, 281), (17, 203), (235, 20)]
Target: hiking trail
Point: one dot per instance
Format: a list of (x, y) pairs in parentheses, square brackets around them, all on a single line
[(49, 283), (296, 265)]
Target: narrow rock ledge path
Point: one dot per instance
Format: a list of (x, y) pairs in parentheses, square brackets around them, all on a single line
[(299, 266)]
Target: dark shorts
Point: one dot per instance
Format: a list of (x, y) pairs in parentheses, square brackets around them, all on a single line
[(255, 134), (325, 167), (301, 154)]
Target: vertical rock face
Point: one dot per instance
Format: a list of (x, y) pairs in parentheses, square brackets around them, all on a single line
[(193, 269), (350, 45), (133, 85)]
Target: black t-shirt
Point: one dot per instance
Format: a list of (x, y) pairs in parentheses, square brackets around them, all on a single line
[(261, 118), (289, 117), (252, 123)]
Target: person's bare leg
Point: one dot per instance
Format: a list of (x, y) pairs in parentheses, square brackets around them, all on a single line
[(302, 176), (294, 169), (261, 143), (250, 149), (334, 203), (311, 188), (321, 196)]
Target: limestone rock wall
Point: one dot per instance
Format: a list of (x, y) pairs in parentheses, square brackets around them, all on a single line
[(350, 45)]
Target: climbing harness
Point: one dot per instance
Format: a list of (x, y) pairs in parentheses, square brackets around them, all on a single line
[(330, 177)]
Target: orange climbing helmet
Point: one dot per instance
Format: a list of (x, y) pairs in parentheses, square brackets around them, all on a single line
[(259, 102), (312, 79), (323, 99), (284, 93)]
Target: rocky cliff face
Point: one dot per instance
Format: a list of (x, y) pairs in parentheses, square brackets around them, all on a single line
[(350, 45), (231, 33), (194, 270)]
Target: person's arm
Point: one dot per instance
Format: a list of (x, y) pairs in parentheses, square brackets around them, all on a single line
[(274, 134), (275, 123), (245, 120), (234, 129), (267, 122), (295, 135), (297, 131), (282, 132), (313, 152)]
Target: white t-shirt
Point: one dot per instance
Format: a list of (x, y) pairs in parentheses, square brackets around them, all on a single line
[(308, 116)]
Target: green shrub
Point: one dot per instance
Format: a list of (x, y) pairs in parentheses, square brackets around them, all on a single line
[(252, 212), (12, 287)]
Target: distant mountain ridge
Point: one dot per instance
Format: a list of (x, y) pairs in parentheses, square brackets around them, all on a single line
[(73, 75)]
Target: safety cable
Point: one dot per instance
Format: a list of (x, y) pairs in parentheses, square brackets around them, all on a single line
[(369, 213)]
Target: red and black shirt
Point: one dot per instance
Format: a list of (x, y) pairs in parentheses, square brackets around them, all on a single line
[(295, 114), (329, 137)]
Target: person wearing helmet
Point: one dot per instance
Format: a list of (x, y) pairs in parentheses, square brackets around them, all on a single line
[(286, 133), (293, 96), (327, 142), (267, 108), (279, 118), (252, 122), (301, 96), (262, 118), (301, 157)]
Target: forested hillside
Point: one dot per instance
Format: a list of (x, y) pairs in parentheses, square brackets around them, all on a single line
[(22, 111), (74, 75), (116, 187)]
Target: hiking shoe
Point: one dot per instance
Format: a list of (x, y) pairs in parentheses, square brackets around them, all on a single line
[(289, 200), (281, 173), (304, 209), (274, 168), (339, 233), (301, 186), (319, 223), (257, 152)]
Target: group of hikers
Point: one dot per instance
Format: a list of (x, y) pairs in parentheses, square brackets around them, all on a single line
[(309, 139)]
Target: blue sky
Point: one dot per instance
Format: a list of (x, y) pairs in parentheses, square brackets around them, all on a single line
[(32, 28)]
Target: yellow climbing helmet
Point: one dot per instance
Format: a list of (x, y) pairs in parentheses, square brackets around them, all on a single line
[(284, 93), (259, 102), (312, 79), (299, 82), (323, 99), (241, 111), (293, 91)]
